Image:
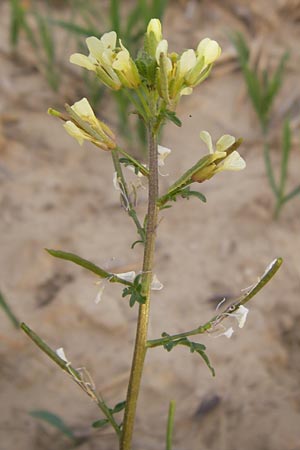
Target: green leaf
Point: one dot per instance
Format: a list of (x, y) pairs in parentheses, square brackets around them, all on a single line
[(55, 421), (79, 261), (100, 423), (170, 115), (134, 292), (193, 346), (6, 308), (118, 407), (187, 193)]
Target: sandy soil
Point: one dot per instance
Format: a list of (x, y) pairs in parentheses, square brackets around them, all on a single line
[(58, 195)]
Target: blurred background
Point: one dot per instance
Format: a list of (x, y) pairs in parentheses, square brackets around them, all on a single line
[(56, 194)]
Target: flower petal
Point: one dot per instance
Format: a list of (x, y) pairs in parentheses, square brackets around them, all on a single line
[(83, 108), (187, 61), (74, 131), (186, 91), (115, 182), (233, 162), (209, 49), (95, 47), (122, 61), (126, 276), (163, 152), (109, 40), (161, 48), (100, 292), (156, 285), (61, 353), (82, 61), (225, 142), (206, 138), (241, 315)]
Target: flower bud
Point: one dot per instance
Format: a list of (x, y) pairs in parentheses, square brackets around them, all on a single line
[(153, 37)]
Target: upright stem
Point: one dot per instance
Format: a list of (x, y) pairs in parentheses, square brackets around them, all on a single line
[(143, 317)]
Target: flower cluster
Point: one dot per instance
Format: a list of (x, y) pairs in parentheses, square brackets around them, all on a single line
[(178, 74), (113, 65), (172, 75)]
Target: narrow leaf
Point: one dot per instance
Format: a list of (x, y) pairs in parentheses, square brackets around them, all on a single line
[(173, 118), (55, 421), (79, 261), (119, 407), (100, 423), (269, 171), (6, 308)]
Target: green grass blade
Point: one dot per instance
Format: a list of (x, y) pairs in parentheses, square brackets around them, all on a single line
[(158, 8), (292, 194), (255, 93), (6, 308), (144, 11), (17, 13), (274, 84), (241, 47), (269, 170), (46, 39), (55, 421), (114, 14), (286, 148), (75, 29)]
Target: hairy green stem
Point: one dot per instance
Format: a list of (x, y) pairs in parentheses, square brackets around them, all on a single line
[(143, 317)]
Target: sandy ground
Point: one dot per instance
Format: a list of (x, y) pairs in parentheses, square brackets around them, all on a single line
[(58, 195)]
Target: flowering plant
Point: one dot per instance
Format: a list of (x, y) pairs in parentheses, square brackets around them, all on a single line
[(155, 81)]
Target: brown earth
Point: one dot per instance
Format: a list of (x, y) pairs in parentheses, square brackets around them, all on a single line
[(58, 195)]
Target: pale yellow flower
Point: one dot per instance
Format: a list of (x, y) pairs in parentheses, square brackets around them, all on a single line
[(222, 158), (126, 69), (100, 59), (209, 50), (84, 125)]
